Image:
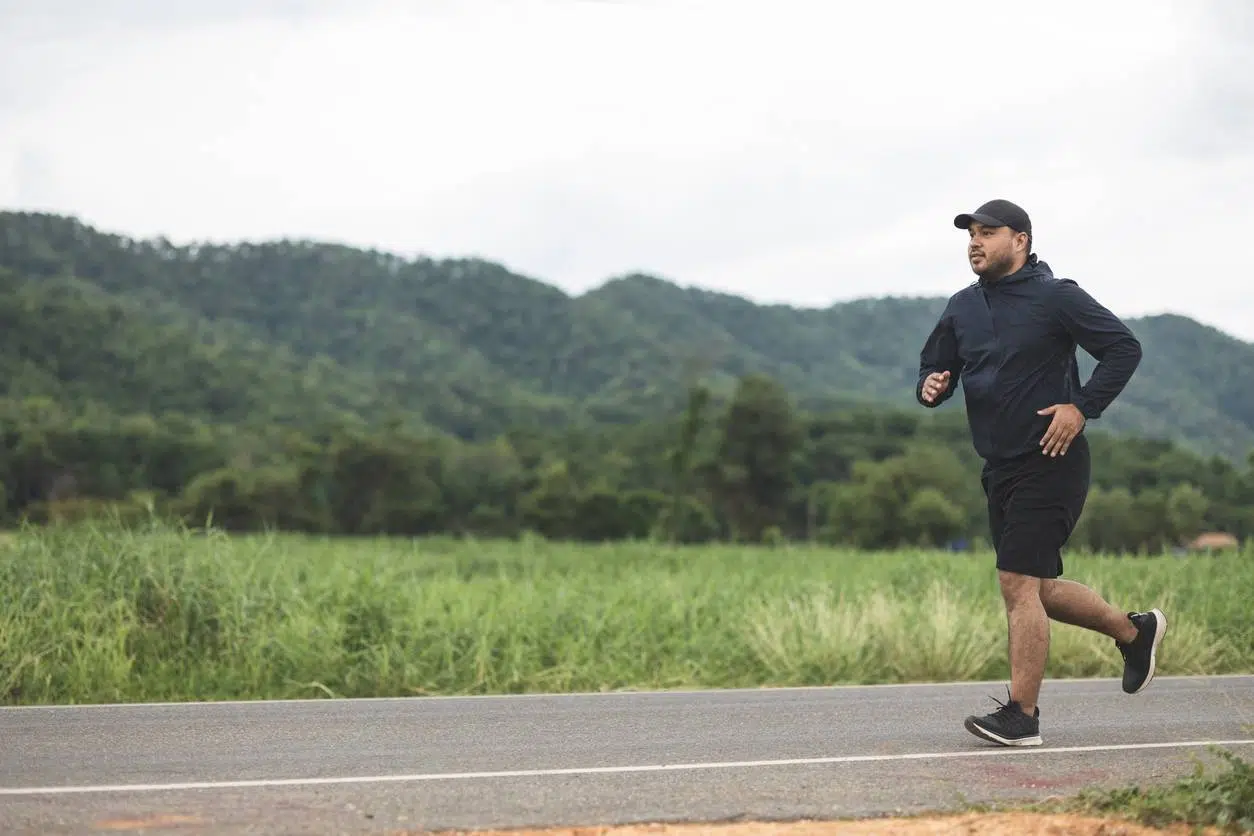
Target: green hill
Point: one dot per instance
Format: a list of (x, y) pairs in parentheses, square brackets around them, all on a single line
[(295, 332)]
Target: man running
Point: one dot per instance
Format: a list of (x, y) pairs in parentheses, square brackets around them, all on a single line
[(1010, 337)]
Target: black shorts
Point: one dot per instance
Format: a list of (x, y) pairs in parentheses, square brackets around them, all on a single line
[(1034, 503)]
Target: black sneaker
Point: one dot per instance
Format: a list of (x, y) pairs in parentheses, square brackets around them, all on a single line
[(1140, 655), (1008, 725)]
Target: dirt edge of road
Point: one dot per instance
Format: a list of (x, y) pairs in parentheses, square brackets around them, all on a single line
[(948, 824)]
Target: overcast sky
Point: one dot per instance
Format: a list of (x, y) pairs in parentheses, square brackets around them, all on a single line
[(788, 151)]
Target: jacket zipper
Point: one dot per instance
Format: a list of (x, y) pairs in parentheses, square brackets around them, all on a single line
[(992, 321)]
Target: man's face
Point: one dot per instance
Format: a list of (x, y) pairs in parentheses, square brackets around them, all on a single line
[(992, 250)]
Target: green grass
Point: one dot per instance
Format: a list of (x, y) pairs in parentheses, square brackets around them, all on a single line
[(96, 613), (1223, 799)]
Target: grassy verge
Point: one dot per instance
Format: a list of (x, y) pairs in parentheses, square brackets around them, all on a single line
[(1222, 799), (97, 613)]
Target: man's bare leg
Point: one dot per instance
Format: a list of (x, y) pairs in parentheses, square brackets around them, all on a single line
[(1028, 628), (1076, 604)]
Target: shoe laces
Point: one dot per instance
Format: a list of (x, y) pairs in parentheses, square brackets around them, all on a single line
[(1007, 708)]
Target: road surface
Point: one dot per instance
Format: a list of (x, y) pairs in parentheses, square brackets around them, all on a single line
[(389, 765)]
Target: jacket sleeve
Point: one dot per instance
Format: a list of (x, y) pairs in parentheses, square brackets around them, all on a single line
[(1103, 335), (940, 353)]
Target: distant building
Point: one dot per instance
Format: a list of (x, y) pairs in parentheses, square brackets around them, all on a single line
[(1213, 541)]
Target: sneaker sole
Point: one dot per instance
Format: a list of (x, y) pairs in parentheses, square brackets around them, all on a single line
[(1153, 660), (979, 731)]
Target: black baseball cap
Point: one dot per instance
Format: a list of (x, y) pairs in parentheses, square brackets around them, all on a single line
[(997, 213)]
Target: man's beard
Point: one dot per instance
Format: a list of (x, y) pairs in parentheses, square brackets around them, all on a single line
[(994, 269)]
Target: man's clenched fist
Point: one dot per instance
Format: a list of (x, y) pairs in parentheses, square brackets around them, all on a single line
[(935, 385)]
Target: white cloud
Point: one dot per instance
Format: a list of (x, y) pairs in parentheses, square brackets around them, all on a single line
[(793, 151)]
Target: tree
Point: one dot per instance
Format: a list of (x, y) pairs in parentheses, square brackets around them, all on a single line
[(1186, 511), (895, 501), (681, 457), (752, 477), (932, 519), (551, 507)]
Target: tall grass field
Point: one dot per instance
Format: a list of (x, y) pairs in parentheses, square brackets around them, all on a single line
[(101, 613)]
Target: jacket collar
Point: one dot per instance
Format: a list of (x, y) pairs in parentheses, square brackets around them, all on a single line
[(1032, 267)]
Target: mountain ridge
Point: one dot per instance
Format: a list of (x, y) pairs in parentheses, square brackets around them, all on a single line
[(468, 347)]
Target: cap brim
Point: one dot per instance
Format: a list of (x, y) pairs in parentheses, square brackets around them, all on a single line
[(965, 220)]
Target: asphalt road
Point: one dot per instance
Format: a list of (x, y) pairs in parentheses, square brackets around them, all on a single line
[(361, 766)]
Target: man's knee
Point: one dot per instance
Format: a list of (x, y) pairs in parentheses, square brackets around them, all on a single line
[(1018, 589)]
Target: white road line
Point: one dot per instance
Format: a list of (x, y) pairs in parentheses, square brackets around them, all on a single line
[(604, 770)]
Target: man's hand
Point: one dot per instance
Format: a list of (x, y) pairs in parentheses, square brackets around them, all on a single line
[(1067, 423), (935, 385)]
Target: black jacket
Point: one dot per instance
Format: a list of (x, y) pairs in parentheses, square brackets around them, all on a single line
[(1012, 344)]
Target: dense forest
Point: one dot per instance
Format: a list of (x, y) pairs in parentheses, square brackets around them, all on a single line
[(322, 388)]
